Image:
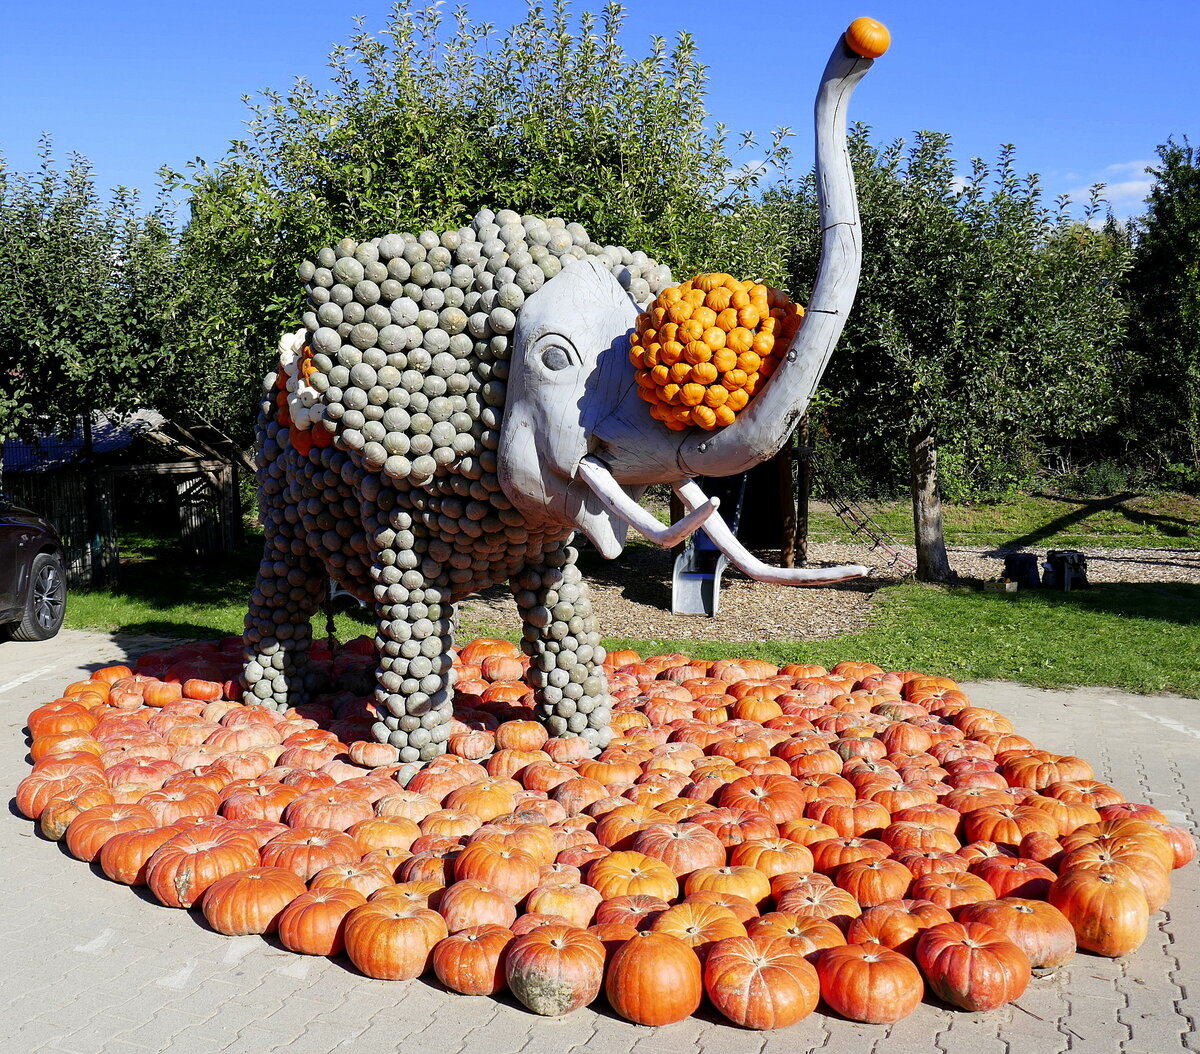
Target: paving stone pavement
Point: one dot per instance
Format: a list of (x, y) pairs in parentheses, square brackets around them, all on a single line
[(90, 967)]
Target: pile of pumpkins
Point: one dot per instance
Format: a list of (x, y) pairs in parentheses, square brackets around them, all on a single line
[(764, 838)]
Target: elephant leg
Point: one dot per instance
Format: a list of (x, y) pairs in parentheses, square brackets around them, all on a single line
[(290, 588), (566, 668), (415, 678)]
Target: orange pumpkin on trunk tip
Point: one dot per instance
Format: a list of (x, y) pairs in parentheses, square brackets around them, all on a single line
[(868, 38)]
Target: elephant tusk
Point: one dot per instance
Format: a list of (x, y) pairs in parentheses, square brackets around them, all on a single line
[(692, 496), (596, 475)]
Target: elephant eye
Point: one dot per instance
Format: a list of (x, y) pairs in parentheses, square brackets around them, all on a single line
[(555, 358)]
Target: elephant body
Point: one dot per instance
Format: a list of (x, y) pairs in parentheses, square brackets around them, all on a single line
[(457, 405), (378, 468)]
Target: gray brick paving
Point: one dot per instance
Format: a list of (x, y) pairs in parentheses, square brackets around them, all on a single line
[(90, 968)]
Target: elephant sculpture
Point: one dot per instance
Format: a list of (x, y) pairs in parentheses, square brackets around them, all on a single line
[(457, 405)]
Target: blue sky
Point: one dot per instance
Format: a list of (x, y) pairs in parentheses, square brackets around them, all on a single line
[(1085, 91)]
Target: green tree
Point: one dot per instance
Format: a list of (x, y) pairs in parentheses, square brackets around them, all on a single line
[(986, 325), (1163, 287), (86, 300), (427, 122)]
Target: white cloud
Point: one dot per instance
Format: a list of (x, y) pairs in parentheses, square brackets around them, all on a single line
[(1133, 168), (1126, 184)]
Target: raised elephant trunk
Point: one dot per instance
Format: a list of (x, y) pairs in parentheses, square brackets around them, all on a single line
[(763, 427), (628, 449)]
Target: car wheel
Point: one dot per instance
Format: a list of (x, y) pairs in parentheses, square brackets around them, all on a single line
[(45, 602)]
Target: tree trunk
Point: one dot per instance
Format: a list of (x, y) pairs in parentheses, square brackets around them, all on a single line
[(933, 565), (678, 512)]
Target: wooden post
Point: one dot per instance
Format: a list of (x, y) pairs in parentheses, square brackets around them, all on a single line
[(803, 490), (237, 527), (91, 499), (678, 512), (787, 504)]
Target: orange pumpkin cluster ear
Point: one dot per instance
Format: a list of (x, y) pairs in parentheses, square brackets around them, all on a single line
[(704, 347)]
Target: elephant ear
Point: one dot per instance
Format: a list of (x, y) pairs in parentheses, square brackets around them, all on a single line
[(419, 396)]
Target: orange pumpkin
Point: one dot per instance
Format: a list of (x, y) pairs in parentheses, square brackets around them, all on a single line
[(654, 979), (471, 961), (392, 941), (123, 857), (574, 901), (637, 910), (870, 983), (307, 850), (741, 880), (90, 829), (760, 982), (510, 871), (683, 847), (1110, 915), (809, 934), (250, 901), (872, 882), (61, 811), (335, 808), (1014, 876), (553, 970), (1151, 879), (1039, 929), (698, 925), (972, 966), (314, 923), (822, 902), (183, 867), (365, 876), (630, 872), (951, 889)]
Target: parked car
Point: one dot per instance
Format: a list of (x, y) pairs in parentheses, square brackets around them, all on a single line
[(33, 580)]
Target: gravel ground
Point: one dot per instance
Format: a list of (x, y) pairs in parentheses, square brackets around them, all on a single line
[(632, 596)]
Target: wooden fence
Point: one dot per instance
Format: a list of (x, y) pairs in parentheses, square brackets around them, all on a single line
[(82, 506), (64, 497)]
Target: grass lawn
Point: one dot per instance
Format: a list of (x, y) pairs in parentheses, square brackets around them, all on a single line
[(1043, 521), (1141, 637)]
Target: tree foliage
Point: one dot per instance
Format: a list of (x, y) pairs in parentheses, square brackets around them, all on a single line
[(983, 315), (985, 318), (1163, 287), (86, 302), (986, 326), (432, 119)]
